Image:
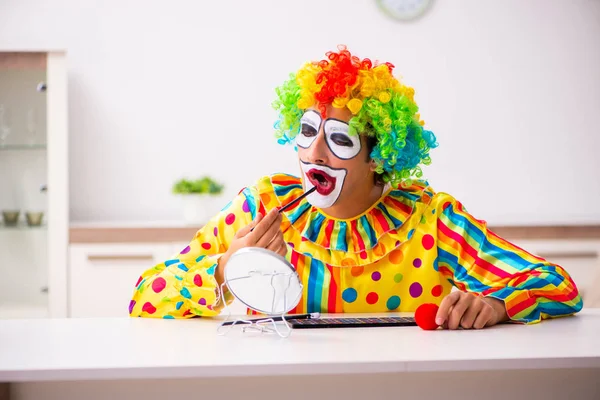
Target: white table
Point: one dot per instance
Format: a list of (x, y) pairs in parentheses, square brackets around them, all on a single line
[(96, 358)]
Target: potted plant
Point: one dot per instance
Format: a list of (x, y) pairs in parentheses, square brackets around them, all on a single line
[(199, 197)]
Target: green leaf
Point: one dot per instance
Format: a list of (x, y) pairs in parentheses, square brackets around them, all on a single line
[(203, 185)]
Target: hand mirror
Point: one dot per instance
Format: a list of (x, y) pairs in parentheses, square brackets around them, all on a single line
[(263, 280)]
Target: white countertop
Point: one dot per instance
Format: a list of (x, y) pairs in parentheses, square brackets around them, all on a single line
[(124, 348)]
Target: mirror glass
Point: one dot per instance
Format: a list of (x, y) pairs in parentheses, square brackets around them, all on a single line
[(263, 280)]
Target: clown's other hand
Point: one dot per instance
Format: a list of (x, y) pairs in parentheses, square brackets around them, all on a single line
[(467, 311), (262, 232)]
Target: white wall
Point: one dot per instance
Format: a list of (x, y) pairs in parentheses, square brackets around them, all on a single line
[(511, 88)]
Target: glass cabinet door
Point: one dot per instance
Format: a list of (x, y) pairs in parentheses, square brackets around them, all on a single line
[(25, 233)]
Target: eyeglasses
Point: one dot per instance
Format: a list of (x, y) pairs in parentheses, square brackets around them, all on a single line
[(274, 322)]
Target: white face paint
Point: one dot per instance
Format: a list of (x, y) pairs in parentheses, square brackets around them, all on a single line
[(326, 195), (343, 145), (310, 124)]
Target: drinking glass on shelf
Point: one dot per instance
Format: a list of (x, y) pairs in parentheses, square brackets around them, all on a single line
[(31, 125), (4, 124)]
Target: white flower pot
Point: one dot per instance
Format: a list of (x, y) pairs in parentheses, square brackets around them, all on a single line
[(197, 208)]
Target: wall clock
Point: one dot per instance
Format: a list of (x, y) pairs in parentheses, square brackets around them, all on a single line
[(404, 10)]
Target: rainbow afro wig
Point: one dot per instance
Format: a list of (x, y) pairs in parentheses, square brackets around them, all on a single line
[(381, 107)]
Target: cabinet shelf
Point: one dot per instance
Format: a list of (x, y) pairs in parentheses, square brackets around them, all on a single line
[(19, 147), (14, 311), (22, 226)]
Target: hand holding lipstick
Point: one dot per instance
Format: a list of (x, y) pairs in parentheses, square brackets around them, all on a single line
[(263, 232)]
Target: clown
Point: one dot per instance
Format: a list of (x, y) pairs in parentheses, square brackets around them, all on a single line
[(373, 237)]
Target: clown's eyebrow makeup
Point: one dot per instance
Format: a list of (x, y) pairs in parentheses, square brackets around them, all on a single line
[(313, 118)]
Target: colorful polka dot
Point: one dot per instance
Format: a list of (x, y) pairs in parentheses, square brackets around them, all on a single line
[(348, 262), (183, 267), (397, 243), (423, 220), (349, 295), (206, 246), (202, 302), (159, 284), (265, 198), (230, 219), (131, 305), (433, 211), (245, 206), (398, 277), (415, 289), (168, 317), (372, 298), (396, 256), (138, 281), (185, 293), (197, 280), (187, 312), (178, 305), (216, 231), (186, 250), (376, 276), (171, 262), (357, 271), (417, 262), (149, 308), (393, 303), (411, 233), (291, 244), (427, 242), (437, 291)]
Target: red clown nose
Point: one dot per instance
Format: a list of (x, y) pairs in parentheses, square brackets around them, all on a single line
[(425, 316)]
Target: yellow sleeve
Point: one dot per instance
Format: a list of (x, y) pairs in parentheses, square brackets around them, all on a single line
[(185, 286)]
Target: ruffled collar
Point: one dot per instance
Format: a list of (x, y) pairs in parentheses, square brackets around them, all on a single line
[(361, 235)]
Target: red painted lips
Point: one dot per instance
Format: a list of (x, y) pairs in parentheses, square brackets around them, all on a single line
[(322, 181)]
